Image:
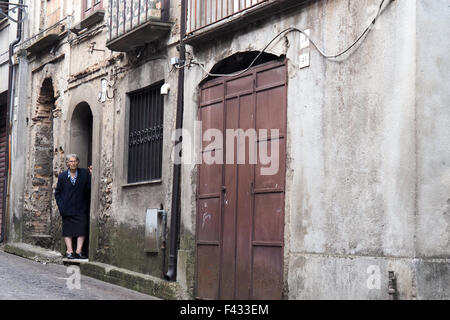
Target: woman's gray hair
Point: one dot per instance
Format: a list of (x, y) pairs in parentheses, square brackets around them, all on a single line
[(72, 155)]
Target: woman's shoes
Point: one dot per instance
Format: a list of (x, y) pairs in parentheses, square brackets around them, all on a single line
[(80, 256), (69, 255), (75, 256)]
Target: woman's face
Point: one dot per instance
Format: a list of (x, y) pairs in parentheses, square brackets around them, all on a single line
[(72, 164)]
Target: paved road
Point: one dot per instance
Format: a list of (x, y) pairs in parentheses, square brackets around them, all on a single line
[(23, 279)]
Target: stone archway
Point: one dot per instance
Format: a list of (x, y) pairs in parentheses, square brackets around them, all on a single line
[(80, 143), (81, 134), (39, 213)]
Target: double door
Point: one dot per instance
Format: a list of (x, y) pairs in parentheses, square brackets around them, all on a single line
[(240, 200)]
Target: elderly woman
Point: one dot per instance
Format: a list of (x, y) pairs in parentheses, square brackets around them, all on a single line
[(73, 198)]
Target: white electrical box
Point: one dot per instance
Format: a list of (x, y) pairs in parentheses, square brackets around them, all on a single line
[(104, 85), (304, 60)]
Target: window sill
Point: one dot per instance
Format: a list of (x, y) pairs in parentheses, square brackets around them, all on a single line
[(143, 183), (89, 21)]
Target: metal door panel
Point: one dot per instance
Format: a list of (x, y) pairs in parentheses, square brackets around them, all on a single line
[(208, 220), (269, 114), (270, 77), (210, 176), (275, 182), (239, 86), (240, 248), (212, 118), (229, 209), (208, 274), (267, 273), (269, 218), (244, 217), (209, 197), (211, 92)]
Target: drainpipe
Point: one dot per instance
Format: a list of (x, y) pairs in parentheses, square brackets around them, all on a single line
[(9, 112), (164, 240), (175, 212), (392, 286)]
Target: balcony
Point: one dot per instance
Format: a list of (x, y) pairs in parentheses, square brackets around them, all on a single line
[(205, 19), (135, 23)]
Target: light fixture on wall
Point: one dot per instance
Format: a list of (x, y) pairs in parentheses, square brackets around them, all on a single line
[(165, 89), (103, 94)]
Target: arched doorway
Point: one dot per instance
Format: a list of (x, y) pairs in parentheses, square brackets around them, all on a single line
[(81, 134), (38, 211), (80, 142)]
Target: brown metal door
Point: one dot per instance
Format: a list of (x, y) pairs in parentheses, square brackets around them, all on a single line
[(240, 212)]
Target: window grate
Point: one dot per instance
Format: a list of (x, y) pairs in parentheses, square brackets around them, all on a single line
[(145, 139)]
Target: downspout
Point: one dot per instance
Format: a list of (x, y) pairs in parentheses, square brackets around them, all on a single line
[(175, 212), (164, 240), (9, 112)]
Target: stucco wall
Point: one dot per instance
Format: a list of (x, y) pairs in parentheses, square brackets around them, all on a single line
[(117, 210), (433, 150), (356, 187)]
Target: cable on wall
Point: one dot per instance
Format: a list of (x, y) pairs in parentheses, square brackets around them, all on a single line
[(285, 32)]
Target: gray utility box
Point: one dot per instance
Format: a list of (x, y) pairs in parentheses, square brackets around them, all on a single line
[(153, 230)]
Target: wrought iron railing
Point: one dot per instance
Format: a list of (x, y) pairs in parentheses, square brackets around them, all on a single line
[(203, 13), (126, 15)]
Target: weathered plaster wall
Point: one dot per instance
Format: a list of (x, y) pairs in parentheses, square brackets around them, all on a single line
[(117, 209), (351, 188), (122, 209), (433, 150), (19, 145)]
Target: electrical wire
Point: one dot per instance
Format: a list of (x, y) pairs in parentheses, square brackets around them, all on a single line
[(285, 32)]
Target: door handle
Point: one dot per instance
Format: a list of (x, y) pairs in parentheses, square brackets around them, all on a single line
[(223, 188)]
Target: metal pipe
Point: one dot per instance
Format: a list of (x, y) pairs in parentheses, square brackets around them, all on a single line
[(163, 243), (9, 112), (392, 286), (175, 211)]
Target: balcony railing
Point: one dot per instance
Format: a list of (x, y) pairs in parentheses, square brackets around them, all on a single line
[(203, 13), (139, 21)]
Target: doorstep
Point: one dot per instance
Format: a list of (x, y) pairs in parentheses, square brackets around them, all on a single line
[(35, 253), (132, 280)]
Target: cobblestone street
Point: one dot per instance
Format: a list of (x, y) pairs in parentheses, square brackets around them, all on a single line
[(23, 279)]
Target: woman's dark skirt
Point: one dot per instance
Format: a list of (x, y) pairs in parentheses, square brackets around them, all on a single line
[(75, 226)]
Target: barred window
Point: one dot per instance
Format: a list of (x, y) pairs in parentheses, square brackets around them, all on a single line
[(145, 142)]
